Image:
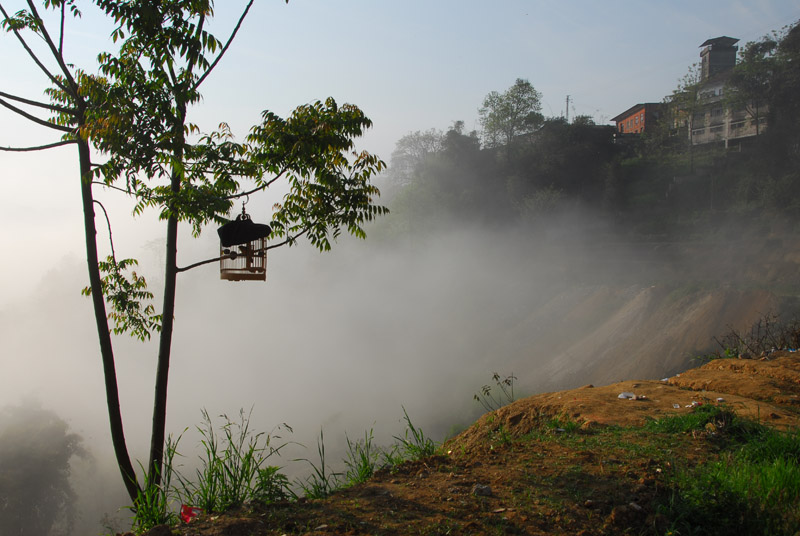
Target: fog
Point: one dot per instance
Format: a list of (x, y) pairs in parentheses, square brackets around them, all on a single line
[(343, 341)]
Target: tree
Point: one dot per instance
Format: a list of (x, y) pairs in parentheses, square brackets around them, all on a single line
[(507, 116), (784, 109), (411, 150), (36, 496), (684, 105), (134, 112), (749, 84)]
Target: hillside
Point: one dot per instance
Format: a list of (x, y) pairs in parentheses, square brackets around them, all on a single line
[(569, 462)]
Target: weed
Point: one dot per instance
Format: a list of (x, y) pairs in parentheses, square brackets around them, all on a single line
[(695, 420), (362, 459), (491, 402), (271, 485), (563, 424), (152, 506), (500, 435), (233, 469), (321, 482), (414, 445), (768, 334)]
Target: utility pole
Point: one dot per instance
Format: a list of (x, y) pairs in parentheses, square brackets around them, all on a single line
[(567, 109)]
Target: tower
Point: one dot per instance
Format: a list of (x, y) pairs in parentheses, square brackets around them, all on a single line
[(718, 55)]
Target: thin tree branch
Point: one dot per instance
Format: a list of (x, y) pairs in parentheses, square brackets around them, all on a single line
[(224, 48), (32, 55), (33, 118), (209, 261), (51, 107), (110, 237), (39, 147), (201, 263), (54, 51), (258, 188), (290, 239), (61, 31)]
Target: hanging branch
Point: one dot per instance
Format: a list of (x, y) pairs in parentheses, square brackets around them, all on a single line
[(227, 45), (258, 188), (229, 256), (51, 107), (33, 118), (108, 224), (39, 147)]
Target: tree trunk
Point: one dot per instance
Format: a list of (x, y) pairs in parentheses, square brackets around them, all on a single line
[(101, 320), (158, 432)]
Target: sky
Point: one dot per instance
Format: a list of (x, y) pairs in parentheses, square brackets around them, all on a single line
[(410, 65)]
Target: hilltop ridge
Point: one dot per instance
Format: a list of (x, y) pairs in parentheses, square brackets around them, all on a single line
[(568, 462)]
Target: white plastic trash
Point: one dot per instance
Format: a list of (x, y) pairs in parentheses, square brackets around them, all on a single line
[(626, 394)]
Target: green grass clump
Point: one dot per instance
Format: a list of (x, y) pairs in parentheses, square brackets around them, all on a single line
[(362, 460), (322, 481), (720, 416), (414, 445), (153, 501), (752, 488), (233, 467)]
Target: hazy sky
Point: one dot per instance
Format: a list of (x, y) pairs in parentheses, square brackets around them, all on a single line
[(410, 65)]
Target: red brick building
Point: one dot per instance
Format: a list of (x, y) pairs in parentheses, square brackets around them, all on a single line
[(635, 119)]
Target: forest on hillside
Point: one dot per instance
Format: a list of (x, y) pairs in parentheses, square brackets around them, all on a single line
[(524, 168)]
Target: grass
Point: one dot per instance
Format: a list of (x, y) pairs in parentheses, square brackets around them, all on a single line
[(752, 488), (322, 481), (414, 445), (703, 472), (233, 467), (233, 471), (362, 459), (153, 502)]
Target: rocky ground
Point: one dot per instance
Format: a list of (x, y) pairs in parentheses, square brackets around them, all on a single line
[(570, 462)]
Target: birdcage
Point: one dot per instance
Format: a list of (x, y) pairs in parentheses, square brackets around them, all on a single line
[(243, 249)]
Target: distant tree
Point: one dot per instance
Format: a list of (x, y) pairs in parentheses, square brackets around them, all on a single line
[(567, 162), (411, 150), (684, 106), (507, 116), (749, 86), (784, 106), (36, 496), (585, 120)]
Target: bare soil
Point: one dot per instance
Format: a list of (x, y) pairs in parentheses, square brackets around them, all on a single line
[(569, 462)]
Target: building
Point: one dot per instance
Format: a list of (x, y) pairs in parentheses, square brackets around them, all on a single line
[(712, 120), (708, 119), (636, 119)]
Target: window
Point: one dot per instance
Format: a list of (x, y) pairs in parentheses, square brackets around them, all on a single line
[(637, 119)]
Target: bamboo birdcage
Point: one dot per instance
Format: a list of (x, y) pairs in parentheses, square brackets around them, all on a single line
[(243, 249)]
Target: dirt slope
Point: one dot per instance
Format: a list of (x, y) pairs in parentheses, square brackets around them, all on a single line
[(513, 472)]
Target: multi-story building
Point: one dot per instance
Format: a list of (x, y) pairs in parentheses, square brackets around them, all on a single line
[(705, 115), (713, 120), (636, 119)]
